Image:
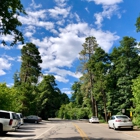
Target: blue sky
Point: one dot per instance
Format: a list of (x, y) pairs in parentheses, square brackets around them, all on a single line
[(59, 28)]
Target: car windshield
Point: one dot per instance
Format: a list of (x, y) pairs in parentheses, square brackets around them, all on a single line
[(121, 117), (94, 117)]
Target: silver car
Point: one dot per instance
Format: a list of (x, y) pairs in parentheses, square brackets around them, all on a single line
[(120, 121), (94, 119)]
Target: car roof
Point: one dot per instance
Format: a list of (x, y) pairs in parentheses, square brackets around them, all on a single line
[(119, 115), (7, 111)]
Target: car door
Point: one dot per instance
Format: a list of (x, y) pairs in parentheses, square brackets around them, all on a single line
[(111, 121), (30, 119)]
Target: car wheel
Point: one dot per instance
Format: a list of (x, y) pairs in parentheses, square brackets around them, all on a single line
[(4, 132), (36, 121), (114, 126), (1, 129), (109, 126)]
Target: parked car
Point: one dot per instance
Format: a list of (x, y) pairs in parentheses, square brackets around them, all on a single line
[(120, 121), (21, 118), (18, 119), (32, 119), (94, 119), (8, 121)]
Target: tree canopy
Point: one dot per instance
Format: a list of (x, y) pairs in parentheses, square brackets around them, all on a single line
[(9, 22)]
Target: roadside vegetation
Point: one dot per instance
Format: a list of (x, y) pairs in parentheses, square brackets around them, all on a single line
[(110, 83)]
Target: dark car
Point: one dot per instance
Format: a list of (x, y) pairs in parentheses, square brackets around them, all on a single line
[(32, 119)]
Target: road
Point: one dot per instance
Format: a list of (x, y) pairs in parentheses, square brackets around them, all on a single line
[(69, 130)]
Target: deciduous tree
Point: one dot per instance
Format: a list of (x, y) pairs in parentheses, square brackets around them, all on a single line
[(9, 22)]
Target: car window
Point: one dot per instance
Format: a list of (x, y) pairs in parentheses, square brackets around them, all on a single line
[(35, 117), (5, 115), (94, 117), (30, 117), (14, 116), (112, 118), (121, 117)]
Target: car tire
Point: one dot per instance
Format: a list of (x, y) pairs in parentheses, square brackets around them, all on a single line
[(109, 126), (36, 121), (114, 126), (1, 129)]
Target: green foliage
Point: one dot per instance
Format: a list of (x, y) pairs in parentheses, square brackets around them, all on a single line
[(138, 24), (30, 69), (49, 97), (6, 97), (123, 70), (136, 100), (9, 22), (26, 99), (69, 111), (88, 50)]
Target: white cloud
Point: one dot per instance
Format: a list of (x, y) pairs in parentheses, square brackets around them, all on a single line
[(62, 51), (36, 18), (108, 11), (34, 5), (77, 17), (57, 11), (110, 8), (4, 65), (66, 90), (61, 3), (10, 84), (87, 9), (5, 47), (106, 2), (7, 37), (61, 78)]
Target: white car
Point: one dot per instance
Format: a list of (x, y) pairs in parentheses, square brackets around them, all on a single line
[(8, 121), (94, 119), (21, 118), (120, 121)]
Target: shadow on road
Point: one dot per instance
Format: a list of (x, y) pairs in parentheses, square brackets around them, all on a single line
[(79, 138)]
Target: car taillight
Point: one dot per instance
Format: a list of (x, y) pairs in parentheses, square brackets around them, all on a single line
[(10, 122), (118, 120)]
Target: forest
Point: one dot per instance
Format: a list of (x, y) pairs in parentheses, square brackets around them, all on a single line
[(110, 82)]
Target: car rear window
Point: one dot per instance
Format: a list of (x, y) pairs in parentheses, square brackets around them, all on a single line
[(94, 117), (5, 115), (123, 117)]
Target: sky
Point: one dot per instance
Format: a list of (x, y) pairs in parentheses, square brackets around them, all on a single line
[(59, 28)]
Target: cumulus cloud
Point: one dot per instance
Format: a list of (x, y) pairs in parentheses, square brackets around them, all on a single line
[(63, 36), (34, 5), (36, 18), (61, 3), (57, 11), (110, 8), (4, 65), (106, 2), (66, 90), (62, 51)]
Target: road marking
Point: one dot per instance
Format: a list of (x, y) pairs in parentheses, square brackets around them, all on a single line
[(81, 132), (44, 132)]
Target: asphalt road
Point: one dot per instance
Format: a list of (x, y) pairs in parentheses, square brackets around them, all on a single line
[(69, 130)]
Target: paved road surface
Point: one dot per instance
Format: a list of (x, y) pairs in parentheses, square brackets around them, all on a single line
[(69, 130)]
